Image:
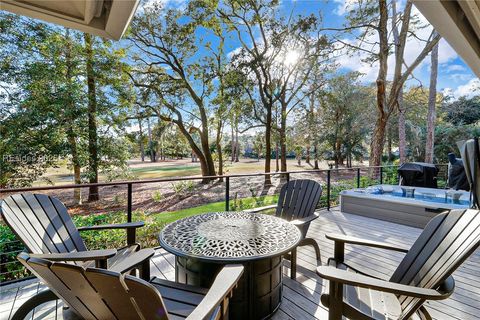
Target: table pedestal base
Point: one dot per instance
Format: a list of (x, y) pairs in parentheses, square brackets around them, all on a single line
[(259, 291)]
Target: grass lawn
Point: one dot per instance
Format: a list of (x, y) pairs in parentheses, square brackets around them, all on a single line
[(246, 203), (152, 172), (62, 174)]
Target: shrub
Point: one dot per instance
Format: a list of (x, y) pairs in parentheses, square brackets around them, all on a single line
[(157, 196), (183, 187), (238, 204), (9, 248)]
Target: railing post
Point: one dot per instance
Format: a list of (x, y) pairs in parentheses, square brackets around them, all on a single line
[(131, 232), (288, 176), (129, 202), (358, 177), (227, 193), (328, 189), (381, 175)]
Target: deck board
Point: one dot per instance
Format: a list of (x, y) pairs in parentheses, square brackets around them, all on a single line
[(301, 298)]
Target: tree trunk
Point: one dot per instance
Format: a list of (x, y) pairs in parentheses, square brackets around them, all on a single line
[(431, 116), (378, 138), (310, 124), (77, 192), (402, 135), (220, 161), (268, 147), (315, 154), (237, 145), (150, 141), (219, 149), (389, 144), (338, 156), (142, 147), (399, 50), (207, 155), (283, 138), (92, 122), (277, 158), (233, 139), (203, 151)]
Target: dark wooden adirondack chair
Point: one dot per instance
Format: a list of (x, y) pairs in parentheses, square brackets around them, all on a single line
[(45, 227), (425, 273), (297, 203), (103, 294)]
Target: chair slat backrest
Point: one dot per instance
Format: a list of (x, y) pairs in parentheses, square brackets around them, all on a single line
[(298, 199), (447, 240), (97, 293), (42, 223)]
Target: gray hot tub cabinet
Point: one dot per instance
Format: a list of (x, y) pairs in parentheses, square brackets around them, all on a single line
[(407, 211)]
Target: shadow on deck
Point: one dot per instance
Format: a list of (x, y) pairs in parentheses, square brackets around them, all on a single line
[(301, 298)]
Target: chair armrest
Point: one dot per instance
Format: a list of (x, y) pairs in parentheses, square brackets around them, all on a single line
[(353, 240), (127, 225), (77, 256), (302, 221), (260, 209), (221, 288), (133, 260), (359, 280)]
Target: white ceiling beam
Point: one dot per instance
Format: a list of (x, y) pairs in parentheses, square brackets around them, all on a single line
[(111, 24)]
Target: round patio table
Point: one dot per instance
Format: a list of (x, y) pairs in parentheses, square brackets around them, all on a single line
[(203, 243)]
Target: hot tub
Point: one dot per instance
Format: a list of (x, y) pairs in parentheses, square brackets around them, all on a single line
[(387, 202)]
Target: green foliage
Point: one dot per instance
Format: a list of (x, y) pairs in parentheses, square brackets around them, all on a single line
[(259, 145), (238, 204), (447, 136), (344, 118), (45, 117), (183, 187), (172, 142), (463, 111), (9, 248), (33, 113), (157, 196), (146, 236), (390, 175)]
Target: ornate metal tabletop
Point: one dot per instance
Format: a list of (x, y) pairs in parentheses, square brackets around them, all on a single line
[(230, 236)]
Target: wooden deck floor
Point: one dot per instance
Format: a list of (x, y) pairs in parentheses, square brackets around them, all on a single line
[(301, 298)]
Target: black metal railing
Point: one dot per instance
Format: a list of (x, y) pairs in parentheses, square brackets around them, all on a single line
[(352, 178)]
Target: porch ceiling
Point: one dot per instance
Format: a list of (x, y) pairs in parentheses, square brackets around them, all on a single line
[(105, 18)]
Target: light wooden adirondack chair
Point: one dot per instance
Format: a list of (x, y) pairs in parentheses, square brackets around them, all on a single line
[(102, 294), (43, 224), (425, 273), (297, 203)]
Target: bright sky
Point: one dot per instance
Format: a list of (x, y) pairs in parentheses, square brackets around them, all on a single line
[(454, 76)]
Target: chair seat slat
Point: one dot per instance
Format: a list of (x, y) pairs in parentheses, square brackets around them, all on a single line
[(67, 221), (39, 219), (74, 278), (16, 225)]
